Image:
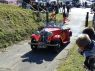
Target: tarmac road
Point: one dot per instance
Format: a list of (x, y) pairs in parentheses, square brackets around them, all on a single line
[(19, 57)]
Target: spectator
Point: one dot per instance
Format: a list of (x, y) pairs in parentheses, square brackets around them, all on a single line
[(28, 6), (64, 7), (85, 4), (56, 8), (68, 9), (64, 17), (90, 32), (24, 4), (87, 49)]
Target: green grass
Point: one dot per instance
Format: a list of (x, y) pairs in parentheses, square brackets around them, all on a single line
[(59, 17), (15, 24), (90, 24), (74, 61)]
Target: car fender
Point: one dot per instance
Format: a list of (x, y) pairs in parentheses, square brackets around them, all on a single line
[(36, 37), (70, 33), (56, 37), (65, 35)]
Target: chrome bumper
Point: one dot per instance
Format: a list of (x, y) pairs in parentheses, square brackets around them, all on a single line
[(39, 44)]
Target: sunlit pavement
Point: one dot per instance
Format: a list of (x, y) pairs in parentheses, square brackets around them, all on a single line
[(77, 19)]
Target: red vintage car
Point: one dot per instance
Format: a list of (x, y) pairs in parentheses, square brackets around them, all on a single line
[(51, 36)]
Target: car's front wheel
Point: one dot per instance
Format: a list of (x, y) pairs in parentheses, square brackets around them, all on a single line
[(57, 48), (33, 47)]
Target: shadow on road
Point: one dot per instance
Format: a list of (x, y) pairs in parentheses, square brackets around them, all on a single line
[(39, 56)]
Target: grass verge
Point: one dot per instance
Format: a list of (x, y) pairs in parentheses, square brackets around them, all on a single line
[(74, 61)]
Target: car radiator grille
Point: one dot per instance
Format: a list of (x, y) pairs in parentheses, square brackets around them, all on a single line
[(44, 37)]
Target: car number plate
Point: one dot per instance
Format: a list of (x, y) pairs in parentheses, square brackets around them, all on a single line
[(42, 45)]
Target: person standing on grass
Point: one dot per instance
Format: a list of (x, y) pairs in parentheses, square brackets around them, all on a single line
[(63, 5), (64, 17)]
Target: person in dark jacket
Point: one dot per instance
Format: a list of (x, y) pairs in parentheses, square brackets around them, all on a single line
[(64, 6), (90, 31), (68, 9), (87, 49)]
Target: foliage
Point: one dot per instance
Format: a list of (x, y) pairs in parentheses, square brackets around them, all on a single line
[(15, 24)]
